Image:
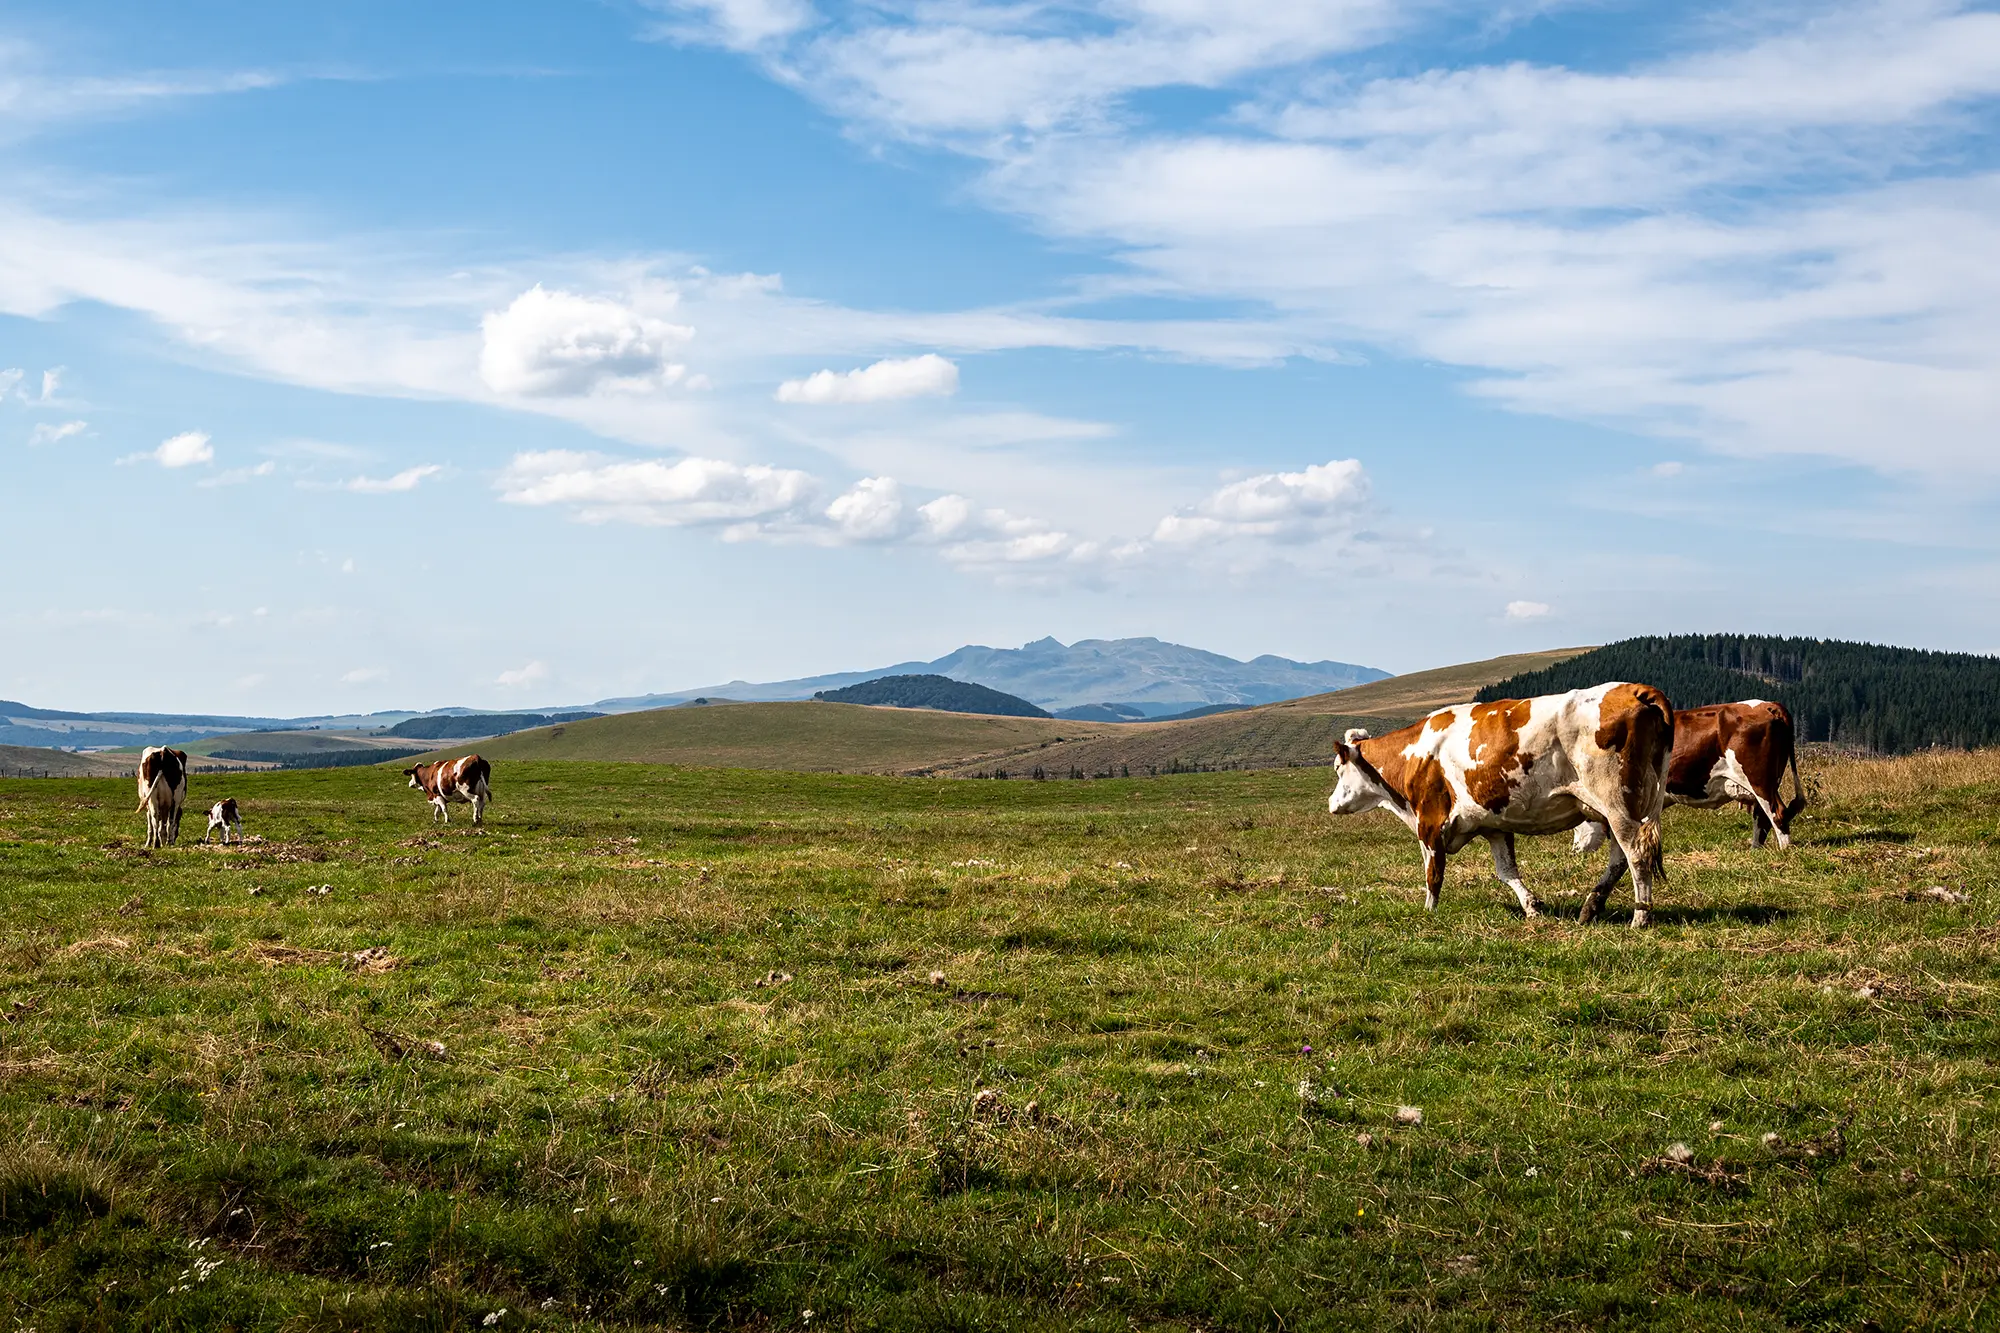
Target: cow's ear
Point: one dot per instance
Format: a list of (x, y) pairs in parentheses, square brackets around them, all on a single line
[(1356, 735), (1346, 754)]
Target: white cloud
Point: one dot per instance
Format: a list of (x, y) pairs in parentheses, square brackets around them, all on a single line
[(693, 492), (534, 673), (48, 433), (9, 378), (740, 25), (558, 343), (1671, 468), (363, 676), (406, 480), (184, 450), (51, 381), (1527, 610), (1765, 244), (1277, 506), (929, 375), (236, 476), (872, 511)]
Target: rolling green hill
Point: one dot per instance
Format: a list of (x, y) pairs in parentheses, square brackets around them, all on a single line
[(34, 761), (849, 738), (806, 737)]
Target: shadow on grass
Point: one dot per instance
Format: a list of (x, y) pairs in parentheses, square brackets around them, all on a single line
[(1732, 914), (1857, 838)]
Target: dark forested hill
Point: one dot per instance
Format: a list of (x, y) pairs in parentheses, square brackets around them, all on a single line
[(1890, 700), (939, 692)]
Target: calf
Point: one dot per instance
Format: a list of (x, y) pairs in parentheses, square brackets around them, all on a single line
[(222, 815), (162, 792), (456, 780), (1728, 753), (1541, 765)]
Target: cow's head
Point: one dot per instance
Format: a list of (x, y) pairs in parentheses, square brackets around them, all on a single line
[(1359, 787), (415, 775)]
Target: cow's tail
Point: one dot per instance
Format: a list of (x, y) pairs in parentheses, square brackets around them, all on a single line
[(480, 785), (1798, 801), (146, 797), (1647, 850)]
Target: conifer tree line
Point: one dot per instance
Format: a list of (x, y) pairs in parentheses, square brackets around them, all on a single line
[(1862, 695)]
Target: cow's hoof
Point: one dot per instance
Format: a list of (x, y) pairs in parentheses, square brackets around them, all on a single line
[(1534, 909), (1641, 918)]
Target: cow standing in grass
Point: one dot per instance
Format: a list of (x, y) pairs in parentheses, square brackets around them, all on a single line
[(454, 780), (1541, 765), (162, 792), (1731, 754)]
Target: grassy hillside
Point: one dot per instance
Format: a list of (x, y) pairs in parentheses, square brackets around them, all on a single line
[(803, 737), (664, 1048), (1298, 731), (30, 761)]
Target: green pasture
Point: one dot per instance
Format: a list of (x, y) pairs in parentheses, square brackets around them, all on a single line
[(688, 1048)]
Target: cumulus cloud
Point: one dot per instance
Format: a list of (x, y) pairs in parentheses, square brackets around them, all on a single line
[(406, 480), (49, 433), (556, 343), (1277, 506), (534, 673), (1527, 610), (692, 492), (926, 376), (184, 450)]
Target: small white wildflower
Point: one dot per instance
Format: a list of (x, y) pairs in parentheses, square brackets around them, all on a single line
[(494, 1318), (1772, 1140), (1409, 1115), (1532, 1172)]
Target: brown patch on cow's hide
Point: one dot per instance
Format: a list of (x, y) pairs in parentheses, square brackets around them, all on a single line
[(1493, 748), (1637, 723), (1384, 754), (1697, 750), (1419, 783), (1430, 798), (1441, 720)]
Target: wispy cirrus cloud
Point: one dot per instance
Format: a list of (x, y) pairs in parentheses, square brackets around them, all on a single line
[(406, 480), (1764, 242)]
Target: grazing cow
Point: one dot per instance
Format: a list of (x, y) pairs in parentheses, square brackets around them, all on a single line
[(1540, 765), (1731, 753), (459, 780), (163, 786), (222, 815)]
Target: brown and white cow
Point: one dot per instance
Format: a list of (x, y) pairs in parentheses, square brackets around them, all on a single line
[(1542, 765), (1732, 753), (454, 780), (223, 815), (162, 791)]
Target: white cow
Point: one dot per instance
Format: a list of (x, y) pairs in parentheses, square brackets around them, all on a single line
[(1541, 765), (162, 793)]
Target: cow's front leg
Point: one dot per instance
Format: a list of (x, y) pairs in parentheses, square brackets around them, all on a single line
[(1614, 870), (1433, 876), (1508, 873)]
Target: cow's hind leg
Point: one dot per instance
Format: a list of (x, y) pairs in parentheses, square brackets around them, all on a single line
[(1614, 870), (1509, 874), (478, 808)]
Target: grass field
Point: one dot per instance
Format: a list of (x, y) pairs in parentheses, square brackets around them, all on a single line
[(680, 1048)]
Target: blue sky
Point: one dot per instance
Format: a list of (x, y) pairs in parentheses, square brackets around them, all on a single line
[(516, 354)]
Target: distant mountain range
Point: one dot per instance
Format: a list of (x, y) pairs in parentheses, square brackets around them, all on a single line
[(1128, 678), (1148, 675)]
